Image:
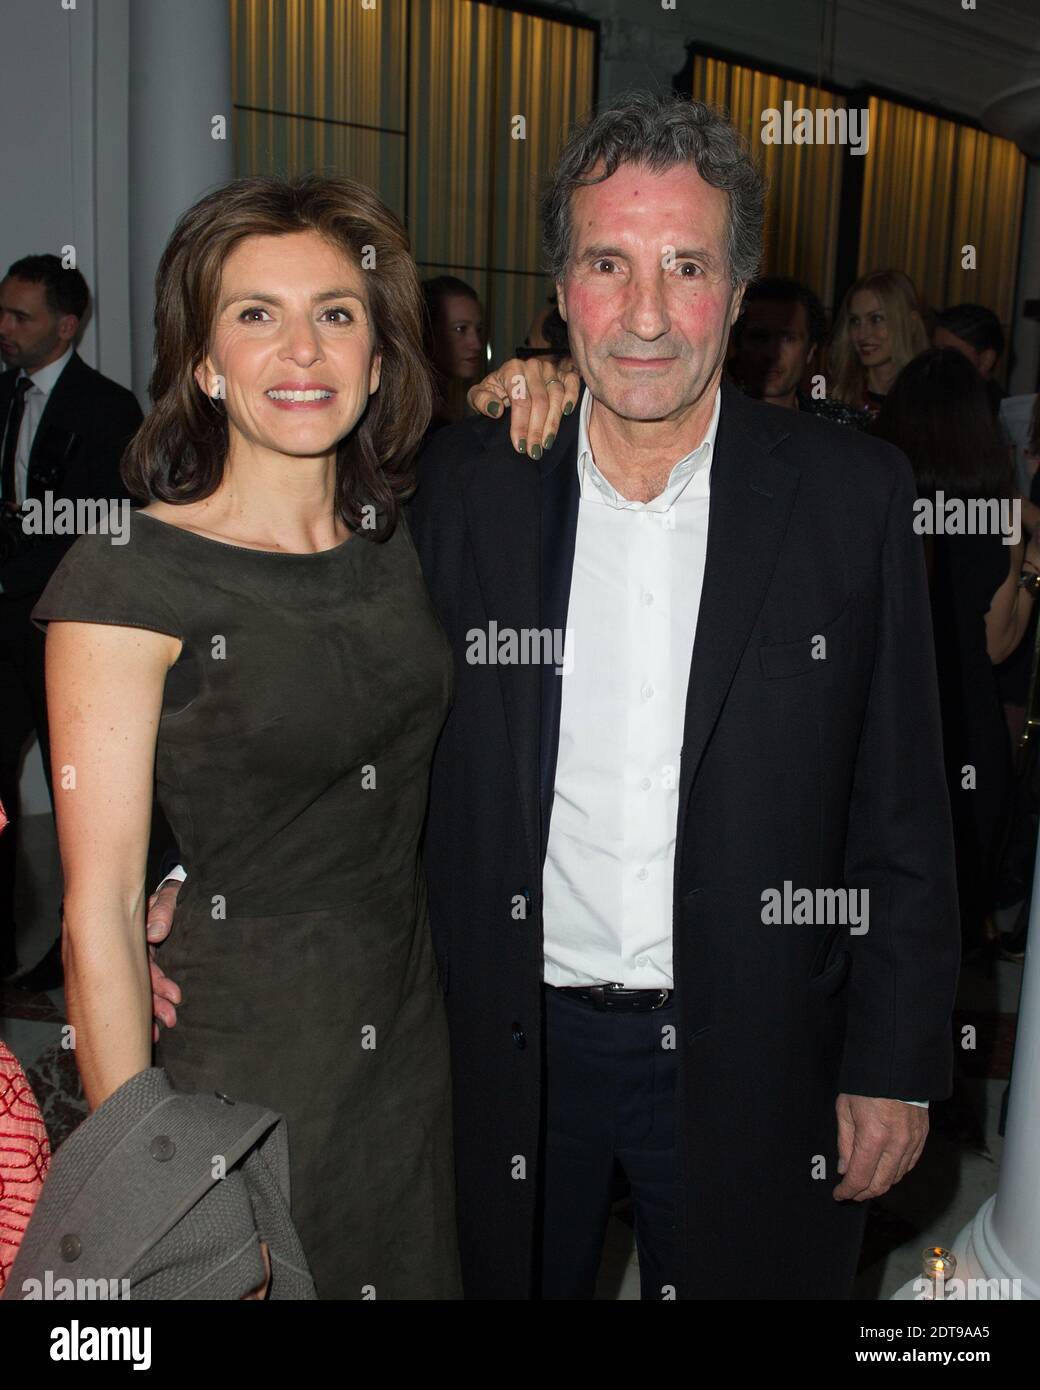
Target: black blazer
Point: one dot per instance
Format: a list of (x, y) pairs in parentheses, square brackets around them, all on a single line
[(825, 773), (86, 425)]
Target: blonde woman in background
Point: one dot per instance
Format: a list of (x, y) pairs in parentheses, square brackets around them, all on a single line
[(878, 330)]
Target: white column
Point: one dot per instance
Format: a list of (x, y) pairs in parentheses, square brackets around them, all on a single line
[(180, 84), (1002, 1241)]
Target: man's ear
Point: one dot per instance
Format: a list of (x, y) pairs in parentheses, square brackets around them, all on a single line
[(987, 360), (68, 327), (561, 301), (738, 300), (810, 355)]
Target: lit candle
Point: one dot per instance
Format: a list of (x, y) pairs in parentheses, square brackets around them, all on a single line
[(939, 1265)]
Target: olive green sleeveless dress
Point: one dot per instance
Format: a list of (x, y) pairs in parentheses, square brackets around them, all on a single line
[(292, 763)]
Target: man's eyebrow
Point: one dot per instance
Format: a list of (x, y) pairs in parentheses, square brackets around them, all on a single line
[(261, 297)]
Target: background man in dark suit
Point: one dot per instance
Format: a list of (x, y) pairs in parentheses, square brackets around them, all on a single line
[(751, 704), (64, 429)]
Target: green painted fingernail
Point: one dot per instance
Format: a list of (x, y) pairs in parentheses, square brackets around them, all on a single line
[(493, 407), (536, 451), (522, 446), (568, 407), (549, 441)]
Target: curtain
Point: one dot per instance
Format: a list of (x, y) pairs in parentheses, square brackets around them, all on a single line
[(422, 99), (801, 228), (932, 186)]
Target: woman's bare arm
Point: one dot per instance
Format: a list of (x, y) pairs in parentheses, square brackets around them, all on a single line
[(104, 698), (1011, 606)]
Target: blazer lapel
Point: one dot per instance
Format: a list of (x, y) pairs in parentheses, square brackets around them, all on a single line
[(751, 500)]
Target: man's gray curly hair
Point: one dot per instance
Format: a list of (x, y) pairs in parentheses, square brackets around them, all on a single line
[(658, 132)]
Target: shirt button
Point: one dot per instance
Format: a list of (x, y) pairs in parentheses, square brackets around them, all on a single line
[(642, 961), (162, 1148), (646, 784), (648, 599), (643, 874), (647, 691), (519, 1037)]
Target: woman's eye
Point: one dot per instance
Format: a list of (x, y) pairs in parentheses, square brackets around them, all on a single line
[(345, 316), (246, 315)]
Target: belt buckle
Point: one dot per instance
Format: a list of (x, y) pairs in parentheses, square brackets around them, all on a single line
[(599, 993), (665, 994)]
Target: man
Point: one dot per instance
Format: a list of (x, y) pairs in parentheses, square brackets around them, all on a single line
[(64, 428), (745, 706), (775, 341), (976, 333), (621, 824)]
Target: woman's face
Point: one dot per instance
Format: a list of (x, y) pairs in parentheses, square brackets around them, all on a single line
[(459, 337), (292, 346), (869, 330)]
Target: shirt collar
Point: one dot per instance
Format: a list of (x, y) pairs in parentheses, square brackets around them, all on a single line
[(44, 380), (589, 476)]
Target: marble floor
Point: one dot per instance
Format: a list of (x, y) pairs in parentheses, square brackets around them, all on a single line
[(956, 1174)]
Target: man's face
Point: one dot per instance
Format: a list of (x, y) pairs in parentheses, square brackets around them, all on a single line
[(647, 294), (774, 349), (31, 333)]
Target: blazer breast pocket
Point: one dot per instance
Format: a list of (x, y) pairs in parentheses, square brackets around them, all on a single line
[(811, 652)]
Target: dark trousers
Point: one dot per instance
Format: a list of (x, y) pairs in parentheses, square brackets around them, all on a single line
[(23, 711), (610, 1098)]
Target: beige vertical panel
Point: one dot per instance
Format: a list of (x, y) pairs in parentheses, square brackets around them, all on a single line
[(934, 186), (801, 227), (323, 73)]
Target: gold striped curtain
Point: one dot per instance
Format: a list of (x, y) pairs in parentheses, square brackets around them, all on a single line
[(932, 186), (801, 230), (418, 98)]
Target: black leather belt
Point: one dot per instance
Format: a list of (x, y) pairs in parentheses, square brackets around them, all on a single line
[(617, 997)]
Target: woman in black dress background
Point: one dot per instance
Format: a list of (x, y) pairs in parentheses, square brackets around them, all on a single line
[(263, 645), (937, 412)]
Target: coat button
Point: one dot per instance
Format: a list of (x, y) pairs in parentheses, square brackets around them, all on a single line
[(519, 1037), (70, 1248), (162, 1148)]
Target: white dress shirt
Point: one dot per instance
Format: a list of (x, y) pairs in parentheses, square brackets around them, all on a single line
[(43, 382), (635, 594)]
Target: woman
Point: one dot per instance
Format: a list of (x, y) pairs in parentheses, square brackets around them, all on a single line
[(454, 343), (938, 414), (878, 330), (265, 642)]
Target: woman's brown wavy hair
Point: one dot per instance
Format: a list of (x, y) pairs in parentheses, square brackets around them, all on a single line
[(178, 454)]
